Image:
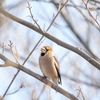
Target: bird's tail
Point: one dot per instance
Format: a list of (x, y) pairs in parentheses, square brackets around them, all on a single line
[(56, 82)]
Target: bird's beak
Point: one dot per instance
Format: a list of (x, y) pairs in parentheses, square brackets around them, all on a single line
[(43, 50)]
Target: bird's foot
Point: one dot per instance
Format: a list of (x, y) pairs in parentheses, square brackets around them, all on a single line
[(44, 78)]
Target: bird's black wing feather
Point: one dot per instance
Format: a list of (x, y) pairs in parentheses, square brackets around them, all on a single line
[(58, 70)]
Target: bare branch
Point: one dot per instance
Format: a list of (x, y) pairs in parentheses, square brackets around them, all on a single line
[(57, 15), (37, 76), (80, 92), (76, 33), (29, 7), (90, 13), (59, 42), (59, 11), (6, 64)]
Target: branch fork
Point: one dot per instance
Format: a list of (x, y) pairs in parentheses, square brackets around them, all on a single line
[(37, 76)]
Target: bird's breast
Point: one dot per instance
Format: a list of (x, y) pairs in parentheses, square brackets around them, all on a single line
[(47, 66)]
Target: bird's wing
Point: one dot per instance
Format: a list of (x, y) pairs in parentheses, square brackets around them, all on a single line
[(58, 69)]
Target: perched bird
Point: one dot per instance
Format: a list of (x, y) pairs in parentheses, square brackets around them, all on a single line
[(49, 65)]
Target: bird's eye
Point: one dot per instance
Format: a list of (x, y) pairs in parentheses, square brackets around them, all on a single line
[(47, 49)]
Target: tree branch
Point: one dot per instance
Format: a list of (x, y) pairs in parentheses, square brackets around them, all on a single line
[(29, 7), (79, 51), (37, 76)]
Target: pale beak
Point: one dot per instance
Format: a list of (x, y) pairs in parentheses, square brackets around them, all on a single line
[(43, 50)]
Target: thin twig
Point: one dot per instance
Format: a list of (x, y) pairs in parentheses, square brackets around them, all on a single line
[(84, 15), (57, 15), (37, 76), (22, 85), (9, 85), (80, 52), (42, 91), (91, 14), (11, 49), (3, 47), (80, 39), (25, 59), (80, 92), (60, 9), (30, 7)]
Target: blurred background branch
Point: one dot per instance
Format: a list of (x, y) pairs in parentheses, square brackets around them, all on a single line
[(74, 25)]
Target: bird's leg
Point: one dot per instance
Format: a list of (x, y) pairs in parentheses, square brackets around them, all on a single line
[(44, 77)]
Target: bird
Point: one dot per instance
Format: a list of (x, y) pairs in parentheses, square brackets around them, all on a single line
[(49, 65)]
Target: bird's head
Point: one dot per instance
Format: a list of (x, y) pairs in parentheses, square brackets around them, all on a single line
[(46, 50)]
